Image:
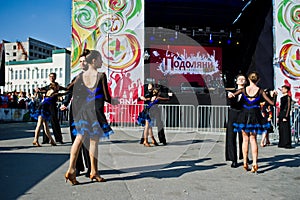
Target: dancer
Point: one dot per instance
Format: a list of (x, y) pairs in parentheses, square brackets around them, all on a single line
[(83, 152), (155, 112), (285, 137), (43, 114), (234, 110), (89, 93), (149, 113), (53, 109), (250, 120), (267, 114)]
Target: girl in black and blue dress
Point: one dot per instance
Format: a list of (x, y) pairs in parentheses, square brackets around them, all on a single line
[(250, 121), (43, 114), (90, 91)]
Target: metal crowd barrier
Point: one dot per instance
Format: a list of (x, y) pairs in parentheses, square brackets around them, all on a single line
[(202, 118), (295, 124), (212, 118), (178, 117), (174, 117)]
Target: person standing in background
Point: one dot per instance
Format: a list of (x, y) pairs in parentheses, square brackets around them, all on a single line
[(284, 122), (267, 114)]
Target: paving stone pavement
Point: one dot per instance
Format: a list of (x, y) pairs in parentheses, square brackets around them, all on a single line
[(191, 166)]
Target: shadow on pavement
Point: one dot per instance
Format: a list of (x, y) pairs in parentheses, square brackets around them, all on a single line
[(21, 171), (277, 161), (173, 170)]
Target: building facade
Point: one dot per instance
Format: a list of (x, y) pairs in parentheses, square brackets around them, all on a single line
[(31, 49), (26, 75)]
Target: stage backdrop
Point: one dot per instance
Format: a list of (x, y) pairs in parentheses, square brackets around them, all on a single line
[(116, 29), (287, 43), (183, 65)]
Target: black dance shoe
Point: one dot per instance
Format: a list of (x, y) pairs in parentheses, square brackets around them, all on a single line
[(234, 164), (142, 141)]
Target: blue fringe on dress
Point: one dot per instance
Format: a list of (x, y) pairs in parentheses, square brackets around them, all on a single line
[(250, 119), (93, 129), (145, 115)]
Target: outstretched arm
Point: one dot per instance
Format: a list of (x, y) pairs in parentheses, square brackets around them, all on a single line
[(265, 96), (232, 95)]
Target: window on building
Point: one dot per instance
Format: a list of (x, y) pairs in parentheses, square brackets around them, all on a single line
[(30, 46), (25, 77), (16, 74), (56, 69), (14, 47), (37, 74), (30, 54), (24, 88), (46, 72), (42, 73), (32, 74), (14, 54), (60, 72), (32, 87), (20, 88)]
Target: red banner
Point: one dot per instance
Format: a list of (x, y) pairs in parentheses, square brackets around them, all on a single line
[(185, 64)]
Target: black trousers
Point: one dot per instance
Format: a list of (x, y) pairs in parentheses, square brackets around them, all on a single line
[(230, 145), (285, 135), (55, 126)]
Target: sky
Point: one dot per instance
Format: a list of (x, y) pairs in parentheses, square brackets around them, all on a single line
[(45, 20)]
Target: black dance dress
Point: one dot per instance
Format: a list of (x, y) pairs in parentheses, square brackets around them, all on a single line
[(88, 107), (285, 139), (250, 119), (43, 109)]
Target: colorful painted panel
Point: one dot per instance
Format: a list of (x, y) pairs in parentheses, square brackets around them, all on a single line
[(116, 29), (287, 42)]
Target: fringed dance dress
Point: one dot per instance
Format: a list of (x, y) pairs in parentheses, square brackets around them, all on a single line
[(145, 115), (88, 107), (44, 108), (250, 119)]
